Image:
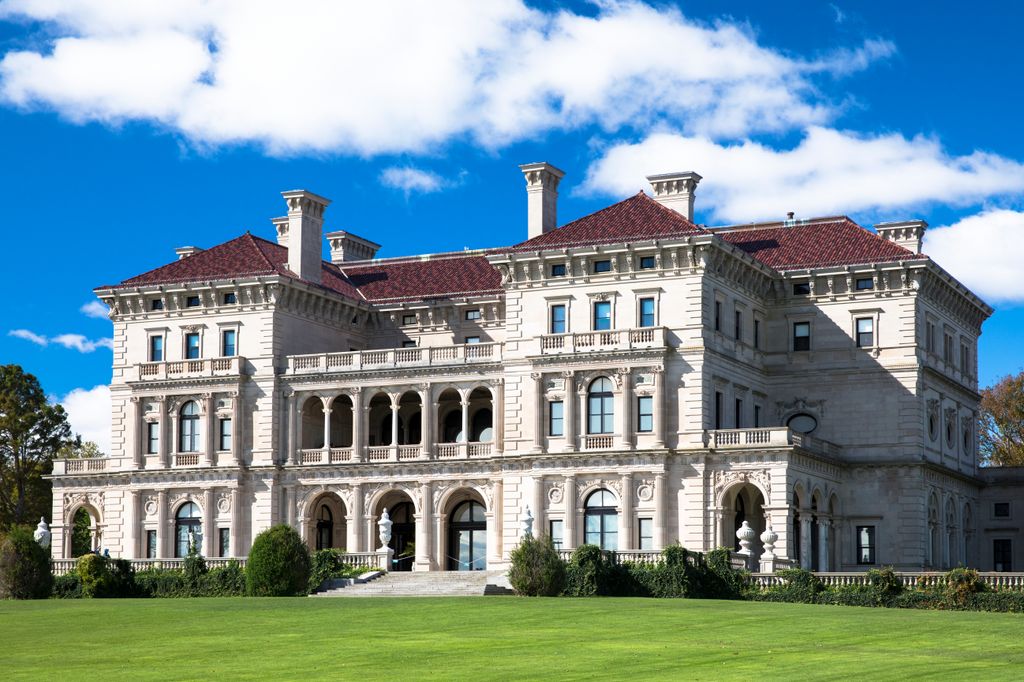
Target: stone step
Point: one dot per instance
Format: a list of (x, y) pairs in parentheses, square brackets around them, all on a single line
[(427, 584)]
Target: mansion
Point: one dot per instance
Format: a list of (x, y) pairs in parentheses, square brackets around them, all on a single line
[(630, 379)]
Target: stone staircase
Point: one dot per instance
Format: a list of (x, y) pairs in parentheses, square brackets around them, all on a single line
[(427, 584)]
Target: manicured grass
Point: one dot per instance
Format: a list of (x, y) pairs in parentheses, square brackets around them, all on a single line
[(497, 638)]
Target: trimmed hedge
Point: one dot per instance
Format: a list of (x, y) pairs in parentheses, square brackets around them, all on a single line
[(279, 564), (226, 581), (24, 566), (536, 570), (326, 564)]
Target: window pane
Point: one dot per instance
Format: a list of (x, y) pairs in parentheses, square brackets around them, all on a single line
[(156, 349), (556, 424), (646, 262), (645, 413), (229, 343), (558, 270), (225, 434), (602, 266), (602, 315), (646, 312), (801, 336), (555, 530), (558, 319), (646, 534), (865, 283), (191, 346)]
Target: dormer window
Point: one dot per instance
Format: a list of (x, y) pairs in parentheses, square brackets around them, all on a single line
[(801, 288), (156, 304), (192, 302), (646, 262), (558, 270), (602, 266), (230, 299), (473, 315), (865, 284)]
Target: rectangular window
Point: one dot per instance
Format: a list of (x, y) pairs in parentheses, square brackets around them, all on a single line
[(150, 544), (1002, 556), (947, 348), (602, 315), (865, 284), (646, 262), (645, 414), (865, 332), (558, 269), (739, 413), (557, 324), (718, 409), (230, 298), (224, 546), (929, 337), (191, 301), (718, 316), (225, 435), (801, 288), (556, 418), (757, 416), (646, 534), (646, 312), (865, 544), (227, 346), (192, 346), (152, 438), (737, 325), (408, 344), (472, 339), (757, 333), (408, 319), (555, 530), (801, 336), (1001, 510), (965, 358), (156, 349), (156, 304), (472, 315), (602, 266)]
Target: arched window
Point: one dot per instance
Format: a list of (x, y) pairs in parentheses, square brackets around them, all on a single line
[(602, 520), (467, 538), (188, 529), (482, 430), (600, 407), (188, 440), (324, 528)]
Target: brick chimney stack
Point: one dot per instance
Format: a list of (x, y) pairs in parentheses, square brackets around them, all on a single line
[(305, 233), (541, 197)]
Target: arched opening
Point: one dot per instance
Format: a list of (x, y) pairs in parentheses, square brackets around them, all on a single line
[(403, 529), (380, 417), (600, 407), (324, 528), (467, 537), (481, 416), (968, 532), (313, 424), (188, 529), (933, 533), (449, 416), (326, 525), (743, 502), (601, 520), (816, 534), (409, 419), (84, 538), (795, 533), (341, 422), (188, 427), (951, 554), (833, 545)]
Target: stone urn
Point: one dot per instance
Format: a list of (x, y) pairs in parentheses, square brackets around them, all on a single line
[(746, 536), (384, 529), (768, 539), (42, 534)]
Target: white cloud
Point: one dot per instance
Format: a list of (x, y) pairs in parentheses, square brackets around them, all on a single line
[(411, 180), (983, 252), (28, 336), (371, 78), (95, 309), (72, 341), (828, 172), (89, 414)]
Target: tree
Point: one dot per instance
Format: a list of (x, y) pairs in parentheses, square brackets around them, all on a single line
[(31, 433), (80, 449), (1001, 425)]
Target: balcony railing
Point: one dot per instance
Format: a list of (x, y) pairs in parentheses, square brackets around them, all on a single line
[(401, 453), (395, 358), (79, 466), (191, 369), (613, 339), (190, 459), (598, 442), (777, 436)]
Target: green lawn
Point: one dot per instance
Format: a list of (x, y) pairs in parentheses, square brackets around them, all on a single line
[(497, 638)]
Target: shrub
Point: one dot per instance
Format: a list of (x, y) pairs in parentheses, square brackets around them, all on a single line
[(67, 587), (584, 574), (161, 582), (536, 570), (961, 585), (194, 570), (672, 577), (92, 569), (278, 564), (227, 581), (24, 566), (719, 580), (802, 587), (885, 584), (1010, 601)]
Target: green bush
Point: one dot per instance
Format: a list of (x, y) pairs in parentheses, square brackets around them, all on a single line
[(161, 582), (92, 569), (536, 570), (24, 566), (1008, 601), (195, 570), (278, 564), (226, 581), (801, 587), (327, 564), (885, 584), (719, 580), (67, 587), (584, 574), (961, 585)]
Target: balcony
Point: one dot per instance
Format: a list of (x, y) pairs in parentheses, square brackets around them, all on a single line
[(610, 340), (396, 358), (191, 369), (772, 437), (79, 466), (400, 453)]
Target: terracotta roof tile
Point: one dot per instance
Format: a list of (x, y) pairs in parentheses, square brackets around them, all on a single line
[(422, 279), (817, 245)]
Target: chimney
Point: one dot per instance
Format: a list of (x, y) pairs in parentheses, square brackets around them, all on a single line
[(541, 197), (305, 230), (675, 191), (347, 247), (907, 233), (281, 228), (186, 251)]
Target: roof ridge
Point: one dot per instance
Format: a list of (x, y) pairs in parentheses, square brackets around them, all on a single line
[(259, 250)]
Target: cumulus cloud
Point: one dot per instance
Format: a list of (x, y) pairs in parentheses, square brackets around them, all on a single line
[(77, 342), (371, 78), (983, 252), (829, 171), (412, 180), (89, 414), (95, 309)]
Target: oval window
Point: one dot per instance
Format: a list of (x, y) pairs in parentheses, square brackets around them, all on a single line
[(933, 427), (802, 423)]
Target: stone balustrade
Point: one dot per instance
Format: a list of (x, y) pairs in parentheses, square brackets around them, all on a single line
[(79, 466), (390, 453), (608, 340), (910, 579), (191, 369), (622, 556), (776, 436), (65, 566), (395, 358)]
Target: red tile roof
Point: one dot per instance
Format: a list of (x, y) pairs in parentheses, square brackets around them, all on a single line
[(816, 245), (636, 218), (443, 277)]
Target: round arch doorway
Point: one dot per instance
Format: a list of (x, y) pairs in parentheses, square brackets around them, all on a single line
[(403, 536), (467, 538)]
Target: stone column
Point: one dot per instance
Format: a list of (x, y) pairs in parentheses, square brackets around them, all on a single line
[(163, 542), (440, 550), (570, 411), (353, 522), (327, 427), (394, 426), (428, 408), (494, 525), (569, 504), (289, 508), (236, 429), (358, 426), (131, 525), (805, 539), (209, 523), (539, 408), (163, 444), (625, 409), (293, 430), (660, 495), (659, 407), (209, 457), (581, 404), (236, 522), (537, 507), (465, 426), (498, 418), (138, 428), (626, 514), (823, 544), (423, 521), (173, 443)]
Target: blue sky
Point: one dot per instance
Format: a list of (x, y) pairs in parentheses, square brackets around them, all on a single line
[(129, 129)]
